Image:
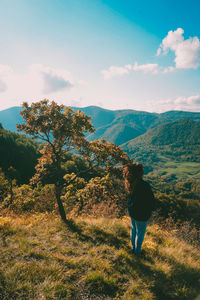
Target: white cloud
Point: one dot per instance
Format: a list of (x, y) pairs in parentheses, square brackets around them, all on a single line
[(187, 55), (3, 86), (146, 68), (115, 71), (37, 82), (168, 70), (53, 79), (5, 73), (5, 70), (190, 103), (187, 52), (172, 40)]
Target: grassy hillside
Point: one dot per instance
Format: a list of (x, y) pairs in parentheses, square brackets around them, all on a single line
[(174, 145), (181, 169), (42, 258)]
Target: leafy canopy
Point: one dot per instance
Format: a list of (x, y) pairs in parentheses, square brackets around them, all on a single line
[(63, 130)]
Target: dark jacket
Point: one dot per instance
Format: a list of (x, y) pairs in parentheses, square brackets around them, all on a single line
[(141, 202)]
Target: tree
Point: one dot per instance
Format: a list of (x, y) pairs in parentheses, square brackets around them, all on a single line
[(63, 130), (11, 174)]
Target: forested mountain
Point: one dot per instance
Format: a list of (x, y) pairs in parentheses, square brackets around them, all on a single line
[(18, 152), (118, 126), (158, 140), (181, 133)]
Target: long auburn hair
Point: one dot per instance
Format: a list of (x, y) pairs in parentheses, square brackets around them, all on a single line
[(132, 173)]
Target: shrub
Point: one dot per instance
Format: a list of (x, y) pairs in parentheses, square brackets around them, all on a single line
[(23, 199), (44, 198), (101, 197), (185, 230)]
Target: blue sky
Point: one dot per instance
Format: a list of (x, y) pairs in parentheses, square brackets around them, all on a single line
[(117, 54)]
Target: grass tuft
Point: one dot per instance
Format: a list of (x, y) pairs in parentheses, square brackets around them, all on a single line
[(97, 283)]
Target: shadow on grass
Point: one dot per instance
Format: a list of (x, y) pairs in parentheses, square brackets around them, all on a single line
[(181, 283), (95, 235)]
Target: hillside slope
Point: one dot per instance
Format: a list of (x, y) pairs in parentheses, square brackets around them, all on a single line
[(180, 133), (174, 143), (42, 258)]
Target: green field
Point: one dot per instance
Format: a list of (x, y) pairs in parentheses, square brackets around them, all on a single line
[(180, 169)]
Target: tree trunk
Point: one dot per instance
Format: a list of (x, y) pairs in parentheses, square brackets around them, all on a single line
[(60, 204), (11, 191)]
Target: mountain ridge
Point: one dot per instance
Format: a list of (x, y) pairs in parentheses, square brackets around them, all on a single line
[(118, 126)]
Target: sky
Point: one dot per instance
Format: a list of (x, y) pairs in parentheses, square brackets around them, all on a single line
[(116, 54)]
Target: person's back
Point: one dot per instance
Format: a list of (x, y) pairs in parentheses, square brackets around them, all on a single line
[(141, 202)]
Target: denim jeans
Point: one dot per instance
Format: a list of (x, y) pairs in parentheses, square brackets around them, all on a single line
[(138, 229)]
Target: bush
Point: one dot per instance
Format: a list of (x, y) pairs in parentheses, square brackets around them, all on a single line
[(101, 197), (180, 209), (23, 199), (186, 230), (45, 198)]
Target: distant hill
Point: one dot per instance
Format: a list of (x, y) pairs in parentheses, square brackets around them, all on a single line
[(10, 117), (118, 126), (181, 132), (171, 145)]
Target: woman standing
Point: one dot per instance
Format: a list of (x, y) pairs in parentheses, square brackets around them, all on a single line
[(141, 202)]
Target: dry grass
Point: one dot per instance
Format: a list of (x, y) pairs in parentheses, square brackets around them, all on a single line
[(43, 258)]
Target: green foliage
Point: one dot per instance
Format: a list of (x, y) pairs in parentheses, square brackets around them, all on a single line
[(181, 209), (4, 186), (29, 199), (23, 199), (100, 197), (45, 198), (176, 197), (20, 153), (78, 165)]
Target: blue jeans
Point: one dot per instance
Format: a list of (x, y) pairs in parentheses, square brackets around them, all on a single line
[(138, 229)]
